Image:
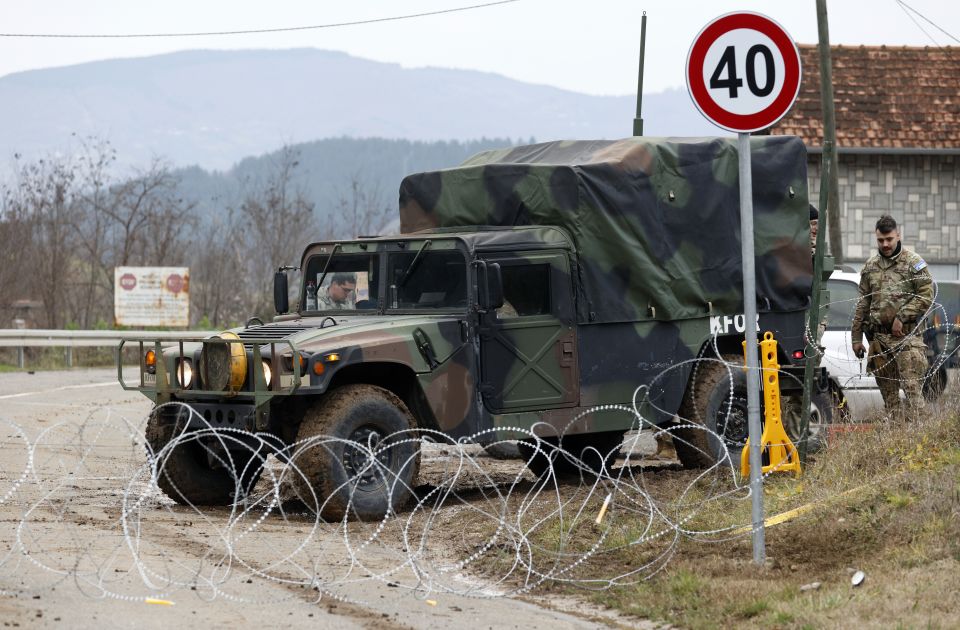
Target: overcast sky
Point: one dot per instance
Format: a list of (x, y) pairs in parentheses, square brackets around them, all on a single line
[(585, 46)]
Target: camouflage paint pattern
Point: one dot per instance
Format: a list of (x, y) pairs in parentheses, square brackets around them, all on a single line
[(655, 222)]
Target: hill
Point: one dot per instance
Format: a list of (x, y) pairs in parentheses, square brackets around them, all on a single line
[(327, 169), (213, 108)]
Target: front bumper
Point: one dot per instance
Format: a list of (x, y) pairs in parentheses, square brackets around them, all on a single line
[(161, 386)]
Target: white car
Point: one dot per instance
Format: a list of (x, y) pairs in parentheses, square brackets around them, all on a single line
[(848, 374)]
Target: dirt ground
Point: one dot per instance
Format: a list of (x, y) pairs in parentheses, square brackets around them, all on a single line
[(84, 544)]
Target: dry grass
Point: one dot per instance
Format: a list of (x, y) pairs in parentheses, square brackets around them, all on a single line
[(885, 501)]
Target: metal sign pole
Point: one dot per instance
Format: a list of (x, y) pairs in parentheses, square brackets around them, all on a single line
[(750, 336)]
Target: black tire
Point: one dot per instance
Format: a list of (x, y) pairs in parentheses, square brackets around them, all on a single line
[(503, 450), (596, 451), (342, 480), (827, 408), (831, 405), (708, 402), (200, 470)]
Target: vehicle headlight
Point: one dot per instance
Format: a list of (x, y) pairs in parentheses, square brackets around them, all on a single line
[(267, 373), (184, 372), (302, 360)]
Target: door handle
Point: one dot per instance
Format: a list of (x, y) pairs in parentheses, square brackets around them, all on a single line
[(566, 356)]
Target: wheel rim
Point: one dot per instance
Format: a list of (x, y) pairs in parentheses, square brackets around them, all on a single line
[(732, 422), (367, 475)]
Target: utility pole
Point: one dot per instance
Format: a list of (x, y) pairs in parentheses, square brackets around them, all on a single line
[(829, 136)]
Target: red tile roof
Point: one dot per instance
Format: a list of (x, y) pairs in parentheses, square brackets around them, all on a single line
[(884, 96)]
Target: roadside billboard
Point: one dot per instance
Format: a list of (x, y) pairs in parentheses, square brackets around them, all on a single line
[(151, 296)]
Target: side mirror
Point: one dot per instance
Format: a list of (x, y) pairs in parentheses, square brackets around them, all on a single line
[(489, 286), (281, 300)]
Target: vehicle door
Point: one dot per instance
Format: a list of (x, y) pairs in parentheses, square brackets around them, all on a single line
[(528, 348)]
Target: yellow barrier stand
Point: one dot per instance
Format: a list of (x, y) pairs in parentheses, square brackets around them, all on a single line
[(782, 455)]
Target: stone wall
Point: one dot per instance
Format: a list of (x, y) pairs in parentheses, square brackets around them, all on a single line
[(920, 191)]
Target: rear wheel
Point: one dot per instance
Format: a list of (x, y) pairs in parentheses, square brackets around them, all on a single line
[(826, 408), (357, 454), (200, 467), (716, 399)]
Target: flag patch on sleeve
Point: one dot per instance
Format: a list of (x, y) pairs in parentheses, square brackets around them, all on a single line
[(920, 265)]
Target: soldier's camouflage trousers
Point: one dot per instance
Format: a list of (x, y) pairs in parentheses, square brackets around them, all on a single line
[(897, 367)]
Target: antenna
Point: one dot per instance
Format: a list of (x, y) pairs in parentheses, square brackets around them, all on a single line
[(638, 121)]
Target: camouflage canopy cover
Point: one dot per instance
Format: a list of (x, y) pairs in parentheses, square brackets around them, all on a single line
[(656, 222)]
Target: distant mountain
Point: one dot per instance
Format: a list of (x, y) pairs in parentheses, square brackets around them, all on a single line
[(326, 170), (213, 108)]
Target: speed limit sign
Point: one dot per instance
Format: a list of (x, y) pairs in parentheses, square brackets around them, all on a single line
[(743, 71)]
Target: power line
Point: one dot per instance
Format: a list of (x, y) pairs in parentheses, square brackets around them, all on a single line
[(918, 25), (906, 6), (285, 29)]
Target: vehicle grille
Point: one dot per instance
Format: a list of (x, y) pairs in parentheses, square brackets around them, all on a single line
[(270, 332)]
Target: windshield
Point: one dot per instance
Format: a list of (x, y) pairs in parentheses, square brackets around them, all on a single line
[(349, 282), (424, 279)]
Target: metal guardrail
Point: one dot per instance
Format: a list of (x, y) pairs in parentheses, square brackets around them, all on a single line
[(69, 339)]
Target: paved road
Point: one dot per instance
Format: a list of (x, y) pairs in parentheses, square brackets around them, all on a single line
[(88, 453)]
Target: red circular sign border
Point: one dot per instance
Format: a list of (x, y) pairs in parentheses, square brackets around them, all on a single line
[(743, 123), (132, 277), (178, 283)]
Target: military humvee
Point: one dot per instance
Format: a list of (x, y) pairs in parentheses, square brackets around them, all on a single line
[(528, 285)]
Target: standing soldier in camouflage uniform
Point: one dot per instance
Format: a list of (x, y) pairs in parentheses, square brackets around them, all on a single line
[(340, 294), (896, 290)]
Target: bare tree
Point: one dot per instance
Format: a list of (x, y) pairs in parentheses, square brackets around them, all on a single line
[(149, 218), (217, 277), (279, 222), (92, 225), (43, 199), (66, 224), (361, 209), (15, 232)]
